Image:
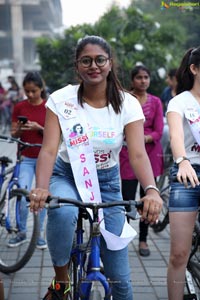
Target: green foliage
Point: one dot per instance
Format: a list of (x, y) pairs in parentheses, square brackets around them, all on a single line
[(134, 35)]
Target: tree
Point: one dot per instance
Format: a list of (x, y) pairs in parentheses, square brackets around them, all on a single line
[(134, 36)]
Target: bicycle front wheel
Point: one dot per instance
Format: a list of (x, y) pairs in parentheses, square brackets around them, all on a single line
[(13, 259)]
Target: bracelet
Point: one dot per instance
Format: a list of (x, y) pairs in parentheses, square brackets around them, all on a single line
[(151, 187)]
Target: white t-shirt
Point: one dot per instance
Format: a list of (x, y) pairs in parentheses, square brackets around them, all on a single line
[(106, 128), (181, 104)]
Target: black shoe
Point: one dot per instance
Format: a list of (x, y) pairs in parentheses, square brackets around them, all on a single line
[(144, 252), (144, 249)]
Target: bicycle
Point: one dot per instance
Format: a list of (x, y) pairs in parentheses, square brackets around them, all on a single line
[(192, 278), (13, 259), (87, 278)]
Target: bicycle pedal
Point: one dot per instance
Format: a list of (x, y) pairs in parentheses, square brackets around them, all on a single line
[(190, 297)]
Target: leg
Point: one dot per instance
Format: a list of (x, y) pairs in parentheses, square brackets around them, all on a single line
[(181, 228), (143, 233), (27, 171), (116, 266), (116, 263), (129, 188), (61, 224)]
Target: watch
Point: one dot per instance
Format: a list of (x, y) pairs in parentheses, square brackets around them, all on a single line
[(180, 159)]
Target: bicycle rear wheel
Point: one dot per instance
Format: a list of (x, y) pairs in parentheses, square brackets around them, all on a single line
[(13, 259)]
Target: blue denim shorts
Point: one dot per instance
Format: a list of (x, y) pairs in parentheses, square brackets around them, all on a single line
[(182, 198)]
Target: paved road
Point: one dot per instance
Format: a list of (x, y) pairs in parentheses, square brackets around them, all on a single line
[(148, 273)]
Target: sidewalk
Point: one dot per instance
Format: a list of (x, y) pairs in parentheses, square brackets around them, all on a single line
[(148, 273)]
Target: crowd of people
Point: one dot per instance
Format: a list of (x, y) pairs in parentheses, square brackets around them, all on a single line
[(8, 98), (137, 132)]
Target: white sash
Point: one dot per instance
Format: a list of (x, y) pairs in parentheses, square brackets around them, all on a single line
[(193, 117), (80, 150)]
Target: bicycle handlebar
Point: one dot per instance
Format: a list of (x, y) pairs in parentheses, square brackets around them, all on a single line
[(17, 140), (56, 202)]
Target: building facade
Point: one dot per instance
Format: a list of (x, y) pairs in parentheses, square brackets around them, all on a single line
[(21, 23)]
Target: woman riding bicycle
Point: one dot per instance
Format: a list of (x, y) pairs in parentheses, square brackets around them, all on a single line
[(86, 171), (183, 116)]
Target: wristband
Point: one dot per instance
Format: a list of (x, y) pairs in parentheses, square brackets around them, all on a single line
[(151, 187)]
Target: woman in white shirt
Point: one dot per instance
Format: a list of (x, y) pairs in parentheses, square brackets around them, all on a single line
[(183, 115)]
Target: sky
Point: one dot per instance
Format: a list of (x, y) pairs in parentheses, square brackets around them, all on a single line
[(86, 11)]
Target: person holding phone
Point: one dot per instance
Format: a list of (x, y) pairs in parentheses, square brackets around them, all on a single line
[(27, 124), (22, 119)]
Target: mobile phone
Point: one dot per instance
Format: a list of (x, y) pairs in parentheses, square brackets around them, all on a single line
[(22, 119)]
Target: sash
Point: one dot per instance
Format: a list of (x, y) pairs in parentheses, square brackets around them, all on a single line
[(193, 117), (74, 128)]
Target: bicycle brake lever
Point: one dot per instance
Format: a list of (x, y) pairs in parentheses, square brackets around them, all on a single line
[(133, 214)]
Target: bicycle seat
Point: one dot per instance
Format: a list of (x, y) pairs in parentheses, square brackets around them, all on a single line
[(5, 160)]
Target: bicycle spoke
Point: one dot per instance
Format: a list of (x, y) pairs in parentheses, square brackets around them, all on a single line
[(14, 258)]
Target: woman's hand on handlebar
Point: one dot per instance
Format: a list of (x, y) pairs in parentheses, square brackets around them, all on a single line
[(152, 207), (38, 198)]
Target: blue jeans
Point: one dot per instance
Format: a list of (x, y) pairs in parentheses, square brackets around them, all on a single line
[(26, 176), (62, 221), (181, 198)]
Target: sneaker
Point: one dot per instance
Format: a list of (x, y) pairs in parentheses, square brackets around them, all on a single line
[(58, 291), (41, 244), (18, 240)]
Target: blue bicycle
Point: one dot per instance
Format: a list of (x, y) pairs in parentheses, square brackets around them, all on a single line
[(13, 259), (88, 281), (87, 277)]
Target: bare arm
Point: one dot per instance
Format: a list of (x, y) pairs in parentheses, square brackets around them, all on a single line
[(178, 149), (141, 165), (46, 160)]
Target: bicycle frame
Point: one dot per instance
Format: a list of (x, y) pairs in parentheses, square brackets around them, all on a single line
[(13, 183), (91, 266), (93, 272), (82, 285), (5, 161)]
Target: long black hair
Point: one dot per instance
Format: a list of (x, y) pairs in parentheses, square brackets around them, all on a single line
[(185, 78), (113, 95), (37, 79)]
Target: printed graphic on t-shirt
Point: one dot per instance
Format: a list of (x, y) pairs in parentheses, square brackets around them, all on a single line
[(107, 135), (77, 136)]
